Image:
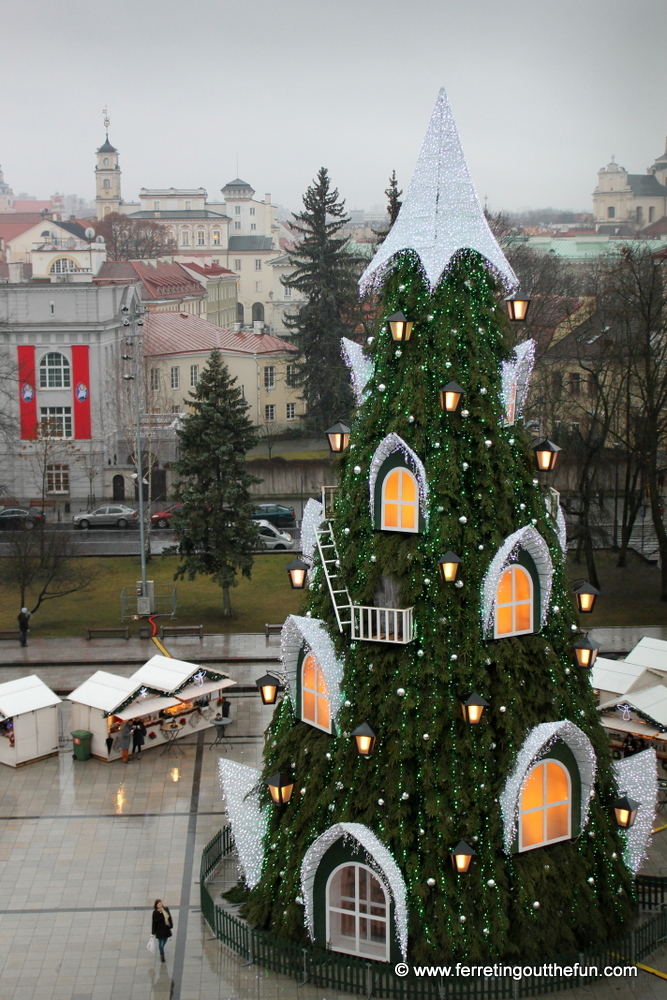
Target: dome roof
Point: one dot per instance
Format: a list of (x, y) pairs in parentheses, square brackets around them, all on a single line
[(107, 147)]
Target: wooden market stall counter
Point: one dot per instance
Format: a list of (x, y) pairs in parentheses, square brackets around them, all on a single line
[(28, 721)]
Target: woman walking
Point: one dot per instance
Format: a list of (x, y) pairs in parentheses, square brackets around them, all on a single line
[(124, 740), (162, 924)]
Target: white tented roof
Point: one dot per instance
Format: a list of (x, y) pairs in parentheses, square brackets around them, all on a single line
[(649, 653), (148, 706), (619, 725), (165, 673), (615, 676), (651, 701), (104, 691), (25, 694), (197, 690)]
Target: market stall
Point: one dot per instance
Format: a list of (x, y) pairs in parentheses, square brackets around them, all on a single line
[(28, 721)]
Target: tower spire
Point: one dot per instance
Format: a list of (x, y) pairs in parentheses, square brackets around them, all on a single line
[(107, 121), (441, 212)]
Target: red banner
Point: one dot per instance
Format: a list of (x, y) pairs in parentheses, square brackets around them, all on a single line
[(81, 392), (27, 393)]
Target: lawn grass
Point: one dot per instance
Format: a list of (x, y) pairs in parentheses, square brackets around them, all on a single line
[(629, 596), (266, 597)]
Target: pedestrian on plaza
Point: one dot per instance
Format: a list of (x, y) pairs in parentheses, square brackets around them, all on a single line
[(138, 735), (24, 619), (124, 740), (162, 924)]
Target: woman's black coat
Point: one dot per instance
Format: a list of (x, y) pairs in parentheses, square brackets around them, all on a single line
[(160, 927)]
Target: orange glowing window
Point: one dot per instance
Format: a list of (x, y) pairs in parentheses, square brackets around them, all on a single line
[(514, 603), (544, 814), (314, 695), (400, 501)]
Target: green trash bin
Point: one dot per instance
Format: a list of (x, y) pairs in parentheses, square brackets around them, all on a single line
[(81, 739)]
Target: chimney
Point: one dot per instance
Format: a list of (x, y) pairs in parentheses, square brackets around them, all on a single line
[(267, 199), (258, 328), (237, 327), (15, 272)]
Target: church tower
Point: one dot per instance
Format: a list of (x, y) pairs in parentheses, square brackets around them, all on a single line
[(107, 177)]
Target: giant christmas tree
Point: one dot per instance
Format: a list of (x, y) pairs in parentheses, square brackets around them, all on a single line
[(411, 648)]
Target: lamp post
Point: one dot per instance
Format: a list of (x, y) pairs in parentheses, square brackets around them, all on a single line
[(135, 341)]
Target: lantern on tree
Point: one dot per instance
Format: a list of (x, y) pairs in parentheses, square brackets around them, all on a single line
[(297, 570), (401, 328), (586, 652), (366, 739), (339, 437), (586, 595), (517, 307), (473, 709), (450, 397), (449, 566), (625, 810), (269, 686), (461, 856), (546, 453), (280, 787)]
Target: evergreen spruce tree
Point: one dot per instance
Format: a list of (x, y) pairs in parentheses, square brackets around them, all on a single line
[(214, 530), (433, 779), (393, 207), (326, 273)]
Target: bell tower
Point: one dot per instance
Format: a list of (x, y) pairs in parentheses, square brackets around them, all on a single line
[(107, 176)]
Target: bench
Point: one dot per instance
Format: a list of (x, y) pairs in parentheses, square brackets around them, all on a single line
[(166, 630), (272, 629), (10, 633), (108, 633)]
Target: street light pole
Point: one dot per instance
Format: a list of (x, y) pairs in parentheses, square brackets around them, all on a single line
[(136, 342)]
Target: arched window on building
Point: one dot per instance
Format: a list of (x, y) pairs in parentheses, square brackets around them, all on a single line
[(64, 265), (514, 603), (54, 371), (105, 161), (400, 501), (240, 313), (315, 707), (201, 238), (257, 312), (357, 913), (611, 212), (106, 183), (545, 811)]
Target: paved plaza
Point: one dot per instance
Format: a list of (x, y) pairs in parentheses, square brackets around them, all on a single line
[(86, 847)]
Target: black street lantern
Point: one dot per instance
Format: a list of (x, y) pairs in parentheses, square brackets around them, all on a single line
[(586, 595), (461, 856), (401, 328), (450, 397), (269, 686), (546, 453), (473, 709), (586, 652), (625, 810), (449, 566), (297, 570), (366, 739), (280, 786), (517, 307), (339, 437)]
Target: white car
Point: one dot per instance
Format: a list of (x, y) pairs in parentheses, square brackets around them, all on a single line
[(272, 537)]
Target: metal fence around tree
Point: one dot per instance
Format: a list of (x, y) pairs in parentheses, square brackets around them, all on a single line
[(347, 974)]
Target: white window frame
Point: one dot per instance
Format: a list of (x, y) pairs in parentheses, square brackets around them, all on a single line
[(216, 238), (269, 413), (317, 694), (194, 376), (57, 479), (237, 224), (185, 237), (357, 914), (290, 409), (400, 502), (201, 238), (545, 807), (237, 209), (175, 375), (252, 211), (47, 371), (62, 415), (155, 379), (514, 604), (237, 263), (258, 263), (269, 377), (64, 265)]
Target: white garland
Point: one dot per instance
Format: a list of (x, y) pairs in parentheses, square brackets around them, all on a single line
[(387, 447), (516, 373), (637, 777), (313, 514), (560, 526), (536, 746), (441, 212), (361, 367), (527, 538), (380, 860), (301, 633), (247, 819)]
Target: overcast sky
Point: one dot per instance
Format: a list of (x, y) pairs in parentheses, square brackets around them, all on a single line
[(543, 91)]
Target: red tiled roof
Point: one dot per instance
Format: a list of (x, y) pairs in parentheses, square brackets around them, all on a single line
[(182, 333), (208, 270), (32, 206), (159, 280), (13, 224)]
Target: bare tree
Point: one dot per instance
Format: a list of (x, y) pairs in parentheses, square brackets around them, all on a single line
[(43, 563), (133, 239)]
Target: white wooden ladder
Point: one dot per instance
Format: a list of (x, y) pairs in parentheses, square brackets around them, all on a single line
[(340, 598)]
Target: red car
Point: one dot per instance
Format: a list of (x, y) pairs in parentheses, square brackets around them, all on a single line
[(162, 518)]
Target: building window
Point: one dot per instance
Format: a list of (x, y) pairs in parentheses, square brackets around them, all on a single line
[(155, 379), (253, 225), (557, 382), (194, 376), (105, 161), (287, 293), (54, 372), (156, 206), (546, 806), (400, 498), (237, 263), (216, 237), (611, 212), (188, 206), (258, 286), (237, 225), (252, 211), (639, 213), (106, 183), (201, 238), (357, 913), (270, 413), (175, 409), (64, 266), (56, 421), (258, 264), (290, 376), (185, 238), (575, 383), (269, 377), (291, 411), (314, 695), (57, 479), (237, 209), (514, 603), (651, 213), (171, 235)]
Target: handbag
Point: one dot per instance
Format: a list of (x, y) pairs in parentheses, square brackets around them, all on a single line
[(151, 944)]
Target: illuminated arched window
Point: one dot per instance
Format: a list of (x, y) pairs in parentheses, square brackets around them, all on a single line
[(357, 913), (514, 603), (63, 265), (400, 501), (54, 371), (546, 806), (315, 708)]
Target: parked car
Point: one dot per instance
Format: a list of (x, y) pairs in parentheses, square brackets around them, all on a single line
[(17, 517), (162, 518), (113, 515), (281, 516), (273, 538)]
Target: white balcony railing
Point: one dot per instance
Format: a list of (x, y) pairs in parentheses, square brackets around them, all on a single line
[(382, 624)]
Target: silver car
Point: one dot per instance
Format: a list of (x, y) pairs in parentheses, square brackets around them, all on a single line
[(113, 515), (273, 538)]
